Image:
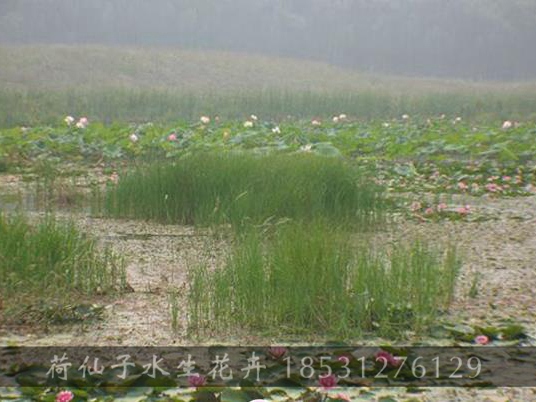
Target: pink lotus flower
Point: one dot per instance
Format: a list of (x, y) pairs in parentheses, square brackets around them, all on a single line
[(493, 188), (429, 211), (82, 123), (463, 210), (462, 186), (386, 357), (482, 340), (327, 382), (506, 178), (172, 137), (196, 380), (277, 352), (64, 396), (441, 207)]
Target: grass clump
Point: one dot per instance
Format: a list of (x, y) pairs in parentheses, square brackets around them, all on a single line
[(239, 188), (312, 279), (50, 262)]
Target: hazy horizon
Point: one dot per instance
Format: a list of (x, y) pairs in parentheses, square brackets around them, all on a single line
[(457, 39)]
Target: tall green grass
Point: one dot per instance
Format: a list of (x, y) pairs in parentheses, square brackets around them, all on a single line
[(38, 107), (241, 188), (48, 262), (312, 279)]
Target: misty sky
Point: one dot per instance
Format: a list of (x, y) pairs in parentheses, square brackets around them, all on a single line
[(477, 39)]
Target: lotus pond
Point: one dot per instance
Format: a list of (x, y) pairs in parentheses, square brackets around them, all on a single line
[(415, 230)]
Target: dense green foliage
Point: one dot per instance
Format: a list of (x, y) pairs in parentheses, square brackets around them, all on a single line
[(49, 262), (33, 108), (312, 279), (240, 188), (407, 154)]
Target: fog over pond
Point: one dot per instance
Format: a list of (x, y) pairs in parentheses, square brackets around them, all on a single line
[(475, 39)]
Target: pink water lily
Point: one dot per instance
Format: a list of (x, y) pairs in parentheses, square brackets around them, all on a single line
[(327, 382), (385, 357), (196, 380), (482, 340), (64, 396), (277, 352), (172, 137)]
